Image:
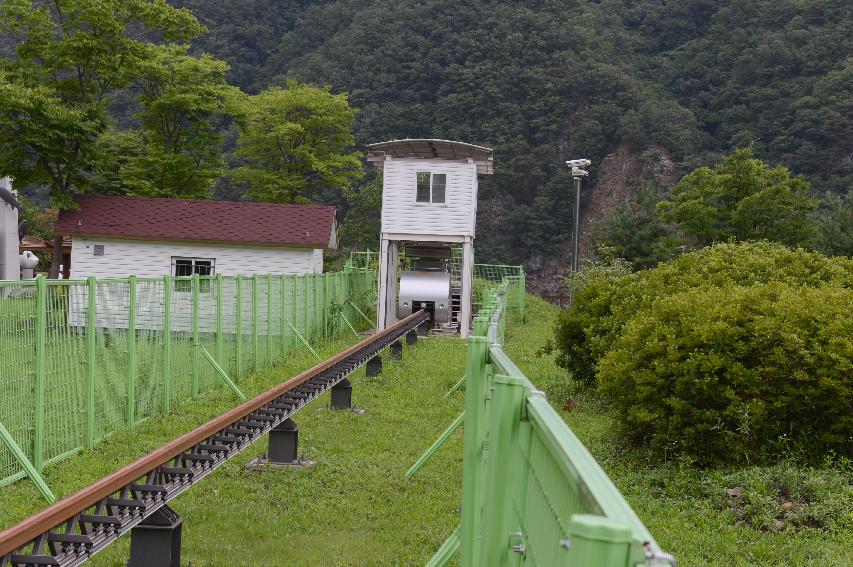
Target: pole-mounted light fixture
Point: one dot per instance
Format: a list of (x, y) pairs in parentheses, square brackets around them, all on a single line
[(578, 173)]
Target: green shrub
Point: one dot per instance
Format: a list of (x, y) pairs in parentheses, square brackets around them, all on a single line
[(606, 303), (735, 372)]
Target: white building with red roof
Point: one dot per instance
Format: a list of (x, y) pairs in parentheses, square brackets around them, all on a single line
[(122, 236)]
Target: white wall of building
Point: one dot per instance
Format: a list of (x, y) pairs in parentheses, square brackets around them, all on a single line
[(123, 258), (401, 214)]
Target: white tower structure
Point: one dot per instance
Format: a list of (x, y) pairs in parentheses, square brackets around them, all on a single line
[(429, 205), (10, 262)]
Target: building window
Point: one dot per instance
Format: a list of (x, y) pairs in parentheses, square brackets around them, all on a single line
[(431, 187), (186, 267)]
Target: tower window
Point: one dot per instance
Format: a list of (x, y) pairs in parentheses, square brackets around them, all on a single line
[(431, 187)]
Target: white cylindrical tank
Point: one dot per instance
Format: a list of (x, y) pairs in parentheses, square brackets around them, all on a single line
[(430, 290), (29, 263)]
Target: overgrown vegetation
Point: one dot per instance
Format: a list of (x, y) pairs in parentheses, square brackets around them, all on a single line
[(784, 513), (741, 198), (720, 353), (737, 373)]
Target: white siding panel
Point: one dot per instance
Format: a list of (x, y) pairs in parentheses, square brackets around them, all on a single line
[(400, 212), (123, 258), (317, 261)]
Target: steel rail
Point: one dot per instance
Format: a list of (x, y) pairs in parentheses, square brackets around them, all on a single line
[(75, 528)]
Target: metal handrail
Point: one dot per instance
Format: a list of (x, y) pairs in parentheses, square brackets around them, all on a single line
[(595, 487)]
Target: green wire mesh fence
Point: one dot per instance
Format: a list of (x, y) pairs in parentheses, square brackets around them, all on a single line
[(532, 494), (80, 359), (362, 260)]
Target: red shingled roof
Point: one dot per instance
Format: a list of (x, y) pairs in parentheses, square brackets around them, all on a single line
[(200, 221)]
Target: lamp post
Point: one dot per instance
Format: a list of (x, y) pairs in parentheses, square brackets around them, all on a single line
[(578, 173)]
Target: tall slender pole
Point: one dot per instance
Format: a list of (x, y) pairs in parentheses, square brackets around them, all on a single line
[(269, 320), (167, 342), (239, 316), (90, 360), (196, 353), (219, 345), (255, 359), (576, 227), (39, 397), (131, 353)]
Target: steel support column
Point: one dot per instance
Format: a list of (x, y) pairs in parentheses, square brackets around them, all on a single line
[(396, 350), (374, 366), (156, 541), (342, 395)]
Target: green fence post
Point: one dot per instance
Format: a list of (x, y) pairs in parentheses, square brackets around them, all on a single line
[(501, 466), (521, 291), (315, 319), (255, 322), (196, 361), (131, 352), (333, 282), (239, 326), (318, 305), (167, 342), (219, 349), (293, 339), (338, 283), (269, 320), (324, 285), (281, 292), (41, 338), (305, 305), (91, 365), (472, 464)]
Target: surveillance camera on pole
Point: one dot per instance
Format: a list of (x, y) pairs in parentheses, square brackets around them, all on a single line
[(578, 173), (578, 164)]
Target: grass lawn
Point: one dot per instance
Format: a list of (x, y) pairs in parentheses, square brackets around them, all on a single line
[(780, 515), (355, 508)]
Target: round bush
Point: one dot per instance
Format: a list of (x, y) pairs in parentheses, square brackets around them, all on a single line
[(600, 311), (737, 373)]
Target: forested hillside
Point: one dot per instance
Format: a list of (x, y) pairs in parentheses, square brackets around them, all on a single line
[(660, 86), (545, 81)]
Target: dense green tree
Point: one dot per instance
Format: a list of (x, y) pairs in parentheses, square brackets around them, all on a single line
[(742, 198), (634, 231), (360, 224), (296, 143), (835, 225), (71, 56), (177, 152), (776, 71)]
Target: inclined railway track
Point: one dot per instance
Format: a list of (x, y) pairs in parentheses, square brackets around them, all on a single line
[(75, 528)]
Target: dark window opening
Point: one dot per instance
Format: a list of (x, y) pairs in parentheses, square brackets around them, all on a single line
[(439, 182), (431, 187), (423, 188), (188, 267)]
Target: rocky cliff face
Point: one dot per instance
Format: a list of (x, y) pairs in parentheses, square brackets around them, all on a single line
[(617, 177)]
